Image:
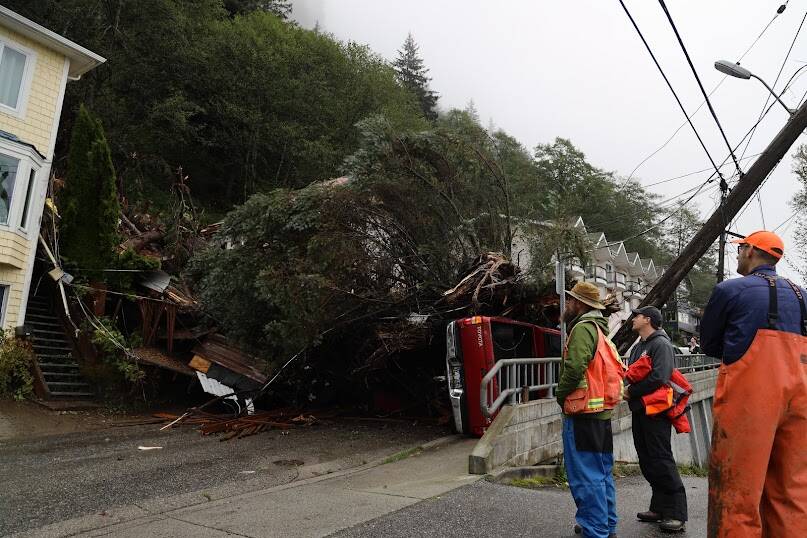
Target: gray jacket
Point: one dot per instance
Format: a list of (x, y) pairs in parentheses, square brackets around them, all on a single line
[(662, 355)]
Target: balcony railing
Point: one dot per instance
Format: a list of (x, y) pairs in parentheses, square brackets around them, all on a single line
[(574, 267), (597, 274), (633, 289), (617, 280)]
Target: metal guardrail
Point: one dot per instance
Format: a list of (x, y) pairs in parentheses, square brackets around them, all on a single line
[(509, 378), (695, 363)]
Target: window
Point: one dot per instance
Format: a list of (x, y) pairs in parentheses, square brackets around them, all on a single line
[(27, 207), (15, 68), (3, 296), (8, 176)]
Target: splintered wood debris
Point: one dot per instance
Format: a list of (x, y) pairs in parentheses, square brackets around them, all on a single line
[(237, 427)]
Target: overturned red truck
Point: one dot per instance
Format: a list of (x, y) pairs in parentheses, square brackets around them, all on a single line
[(473, 345)]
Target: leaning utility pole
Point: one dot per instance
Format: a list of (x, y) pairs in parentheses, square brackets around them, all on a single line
[(721, 254), (716, 225)]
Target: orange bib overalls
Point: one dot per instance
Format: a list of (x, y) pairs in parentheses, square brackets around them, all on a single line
[(758, 464)]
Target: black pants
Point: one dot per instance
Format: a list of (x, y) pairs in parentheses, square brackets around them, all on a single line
[(652, 439)]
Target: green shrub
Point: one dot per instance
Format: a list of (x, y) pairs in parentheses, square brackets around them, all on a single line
[(111, 343), (16, 358)]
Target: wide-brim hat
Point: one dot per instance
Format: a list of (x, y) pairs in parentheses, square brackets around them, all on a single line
[(587, 293)]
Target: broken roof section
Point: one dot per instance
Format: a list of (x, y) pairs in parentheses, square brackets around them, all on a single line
[(157, 357), (155, 280), (217, 350), (160, 282)]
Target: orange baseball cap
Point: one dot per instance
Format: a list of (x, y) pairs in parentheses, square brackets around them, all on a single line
[(766, 241)]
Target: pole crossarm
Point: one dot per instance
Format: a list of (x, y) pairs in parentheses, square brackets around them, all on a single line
[(666, 285)]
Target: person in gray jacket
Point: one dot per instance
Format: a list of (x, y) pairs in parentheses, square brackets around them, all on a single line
[(651, 434)]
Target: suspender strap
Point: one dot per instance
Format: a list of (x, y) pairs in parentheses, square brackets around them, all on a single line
[(802, 306), (773, 304)]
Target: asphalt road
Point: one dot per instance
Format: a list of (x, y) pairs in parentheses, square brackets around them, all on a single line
[(49, 479), (485, 509)]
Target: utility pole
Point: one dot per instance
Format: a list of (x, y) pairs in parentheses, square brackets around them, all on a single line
[(721, 254), (715, 226), (560, 288)]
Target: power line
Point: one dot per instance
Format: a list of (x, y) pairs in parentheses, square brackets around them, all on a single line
[(793, 267), (761, 212), (779, 74), (784, 232), (790, 218), (779, 11), (662, 204), (748, 203), (662, 221), (750, 132), (660, 182), (668, 201), (683, 124), (669, 85), (700, 85)]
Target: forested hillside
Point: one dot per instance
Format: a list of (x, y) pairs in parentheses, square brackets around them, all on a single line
[(256, 115)]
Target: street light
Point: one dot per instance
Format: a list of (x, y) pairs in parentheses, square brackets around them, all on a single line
[(736, 70)]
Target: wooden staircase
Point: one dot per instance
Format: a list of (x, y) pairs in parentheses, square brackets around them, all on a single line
[(59, 375)]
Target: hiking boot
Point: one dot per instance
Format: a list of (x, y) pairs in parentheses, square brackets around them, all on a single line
[(672, 525), (579, 530), (649, 517)]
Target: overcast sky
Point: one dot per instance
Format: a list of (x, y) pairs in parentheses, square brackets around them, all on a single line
[(577, 69)]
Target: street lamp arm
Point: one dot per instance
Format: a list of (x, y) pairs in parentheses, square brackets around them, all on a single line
[(789, 110)]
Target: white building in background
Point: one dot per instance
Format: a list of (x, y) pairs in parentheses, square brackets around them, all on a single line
[(612, 269)]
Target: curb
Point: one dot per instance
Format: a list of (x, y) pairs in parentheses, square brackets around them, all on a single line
[(505, 475)]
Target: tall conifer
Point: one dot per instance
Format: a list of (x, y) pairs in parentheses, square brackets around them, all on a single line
[(412, 74), (89, 202)]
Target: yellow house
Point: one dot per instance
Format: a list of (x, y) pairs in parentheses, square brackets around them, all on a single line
[(35, 66)]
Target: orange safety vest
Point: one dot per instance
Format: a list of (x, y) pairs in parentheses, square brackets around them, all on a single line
[(671, 399), (601, 388)]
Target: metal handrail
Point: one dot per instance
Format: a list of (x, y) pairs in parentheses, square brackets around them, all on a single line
[(509, 377)]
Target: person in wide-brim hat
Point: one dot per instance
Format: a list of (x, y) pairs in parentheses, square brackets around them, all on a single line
[(588, 454), (587, 293)]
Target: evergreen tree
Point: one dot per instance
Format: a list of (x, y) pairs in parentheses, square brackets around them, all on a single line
[(281, 8), (412, 74), (796, 257), (89, 201)]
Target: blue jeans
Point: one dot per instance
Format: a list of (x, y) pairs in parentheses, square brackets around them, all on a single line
[(589, 459)]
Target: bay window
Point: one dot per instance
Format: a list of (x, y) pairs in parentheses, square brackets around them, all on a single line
[(8, 177), (19, 167)]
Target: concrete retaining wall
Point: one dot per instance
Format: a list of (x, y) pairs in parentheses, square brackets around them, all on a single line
[(530, 433)]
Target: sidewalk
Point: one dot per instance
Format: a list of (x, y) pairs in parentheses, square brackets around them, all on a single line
[(316, 506), (486, 509)]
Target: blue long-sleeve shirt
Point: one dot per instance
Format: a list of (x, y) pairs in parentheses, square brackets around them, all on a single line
[(738, 307)]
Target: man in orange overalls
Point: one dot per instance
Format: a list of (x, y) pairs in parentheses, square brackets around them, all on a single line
[(758, 466)]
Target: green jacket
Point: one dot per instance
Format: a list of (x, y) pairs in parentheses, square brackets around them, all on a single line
[(582, 343)]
